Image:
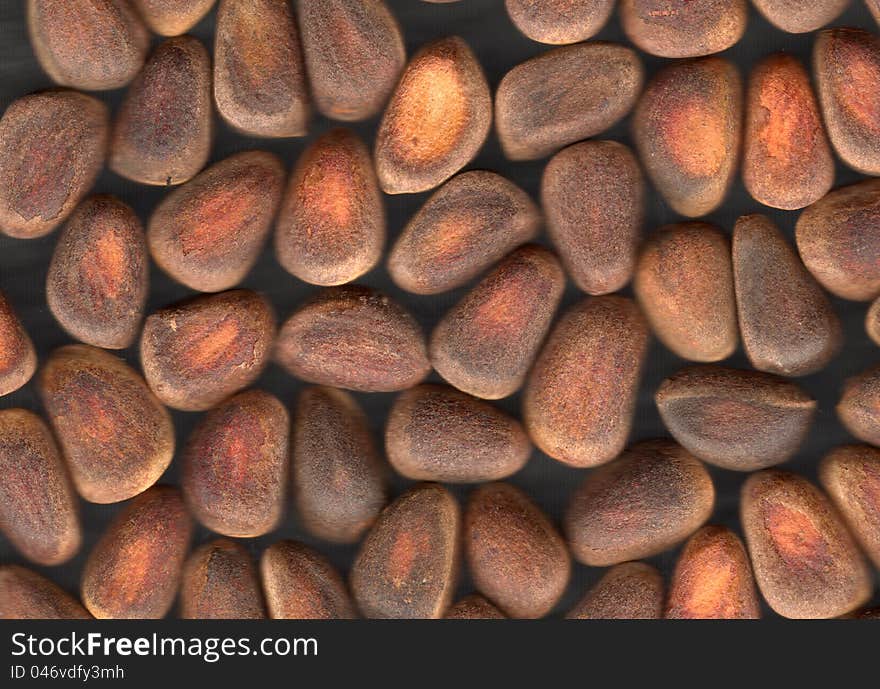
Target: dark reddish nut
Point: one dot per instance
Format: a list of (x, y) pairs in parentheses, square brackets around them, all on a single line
[(300, 584), (872, 321), (338, 475), (116, 436), (134, 570), (684, 28), (805, 561), (38, 510), (356, 338), (851, 476), (735, 419), (868, 613), (354, 53), (846, 65), (687, 128), (331, 227), (800, 16), (838, 238), (584, 420), (559, 22), (515, 555), (18, 359), (565, 95), (473, 607), (259, 73), (466, 226), (408, 564), (220, 582), (88, 44), (52, 147), (486, 343), (653, 497), (25, 595), (593, 195), (713, 579), (859, 405), (786, 320), (437, 433), (199, 352), (787, 160), (684, 283), (173, 17), (234, 474), (436, 121), (629, 591), (209, 233), (99, 276), (163, 129)]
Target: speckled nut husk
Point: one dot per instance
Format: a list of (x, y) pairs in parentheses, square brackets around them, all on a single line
[(436, 121), (354, 53), (584, 420), (473, 607), (38, 509), (163, 129), (786, 320), (220, 583), (559, 22), (408, 564), (654, 496), (846, 65), (593, 195), (92, 45), (787, 160), (688, 129), (872, 321), (116, 436), (134, 570), (850, 475), (736, 419), (859, 404), (684, 284), (800, 16), (173, 17), (52, 147), (684, 28), (331, 226), (515, 555), (300, 584), (805, 561), (208, 233), (338, 475), (198, 352), (466, 226), (486, 343), (18, 359), (874, 7), (437, 433), (99, 276), (234, 473), (26, 595), (838, 238), (629, 591), (565, 95), (355, 338), (259, 73), (713, 579)]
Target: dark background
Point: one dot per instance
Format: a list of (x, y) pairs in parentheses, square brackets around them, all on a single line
[(499, 47)]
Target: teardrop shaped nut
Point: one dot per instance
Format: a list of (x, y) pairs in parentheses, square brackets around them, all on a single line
[(800, 16), (117, 438), (736, 419), (436, 121), (220, 582), (473, 607), (408, 564), (629, 591), (559, 22), (857, 408), (565, 95), (173, 17), (26, 595), (18, 358), (98, 278), (580, 420)]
